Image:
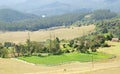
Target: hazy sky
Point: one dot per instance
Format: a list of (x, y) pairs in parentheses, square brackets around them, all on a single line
[(10, 2), (43, 2), (75, 3)]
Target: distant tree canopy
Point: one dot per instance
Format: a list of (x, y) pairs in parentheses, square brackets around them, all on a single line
[(89, 43), (109, 26), (16, 21), (42, 23), (103, 14)]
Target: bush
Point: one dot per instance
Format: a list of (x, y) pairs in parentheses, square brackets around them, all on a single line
[(93, 50), (4, 53), (105, 45), (66, 51)]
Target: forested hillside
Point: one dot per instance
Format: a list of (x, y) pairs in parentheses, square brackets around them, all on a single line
[(103, 14), (109, 27), (16, 21), (42, 23)]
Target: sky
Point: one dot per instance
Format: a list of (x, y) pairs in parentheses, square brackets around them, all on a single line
[(10, 2), (44, 2), (31, 4)]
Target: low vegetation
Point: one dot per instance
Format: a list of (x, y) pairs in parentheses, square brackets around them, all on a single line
[(65, 58), (114, 49)]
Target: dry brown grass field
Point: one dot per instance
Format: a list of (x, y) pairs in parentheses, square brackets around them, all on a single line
[(42, 35), (115, 50)]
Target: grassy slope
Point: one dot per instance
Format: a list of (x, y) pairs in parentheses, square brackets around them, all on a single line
[(114, 49), (65, 58), (62, 33)]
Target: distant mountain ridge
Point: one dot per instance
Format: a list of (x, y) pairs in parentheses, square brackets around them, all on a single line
[(56, 7), (11, 20), (9, 15)]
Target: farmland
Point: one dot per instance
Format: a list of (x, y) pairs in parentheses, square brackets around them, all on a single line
[(66, 58)]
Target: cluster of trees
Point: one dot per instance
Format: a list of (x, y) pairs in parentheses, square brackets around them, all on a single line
[(3, 51), (88, 44), (109, 26), (85, 44), (9, 49)]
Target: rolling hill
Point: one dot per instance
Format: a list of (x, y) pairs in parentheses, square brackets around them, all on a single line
[(11, 20), (9, 15)]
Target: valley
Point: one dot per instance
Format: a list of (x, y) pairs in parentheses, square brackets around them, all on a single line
[(59, 37)]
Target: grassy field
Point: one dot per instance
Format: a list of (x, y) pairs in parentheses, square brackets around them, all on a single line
[(65, 58), (114, 49), (42, 35)]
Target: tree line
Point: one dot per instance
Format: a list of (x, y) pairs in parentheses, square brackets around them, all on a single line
[(85, 44), (9, 49)]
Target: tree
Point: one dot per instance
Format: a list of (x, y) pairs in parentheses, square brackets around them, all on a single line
[(18, 49), (8, 44), (83, 46), (93, 46), (29, 47), (109, 37), (23, 50), (54, 47), (3, 51), (71, 43)]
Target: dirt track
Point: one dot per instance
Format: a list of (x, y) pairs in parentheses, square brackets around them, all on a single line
[(13, 66), (106, 71)]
